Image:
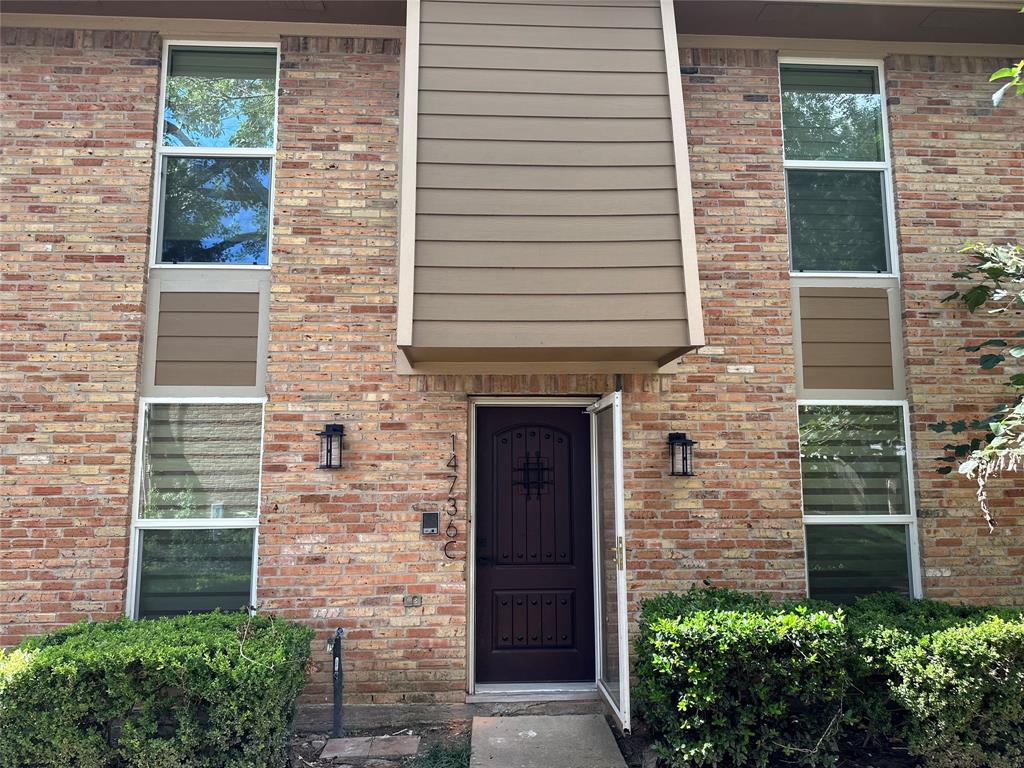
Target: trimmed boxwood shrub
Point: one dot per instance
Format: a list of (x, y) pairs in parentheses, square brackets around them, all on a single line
[(946, 679), (731, 679), (880, 626), (728, 679), (195, 691)]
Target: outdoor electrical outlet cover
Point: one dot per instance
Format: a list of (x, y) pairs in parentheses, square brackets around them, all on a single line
[(413, 601), (431, 523)]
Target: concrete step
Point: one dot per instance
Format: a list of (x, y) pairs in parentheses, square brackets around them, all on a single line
[(544, 741)]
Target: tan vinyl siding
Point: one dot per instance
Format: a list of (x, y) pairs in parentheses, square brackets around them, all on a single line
[(845, 338), (547, 208), (207, 339)]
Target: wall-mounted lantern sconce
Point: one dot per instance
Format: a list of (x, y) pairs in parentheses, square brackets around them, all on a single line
[(681, 454), (330, 446)]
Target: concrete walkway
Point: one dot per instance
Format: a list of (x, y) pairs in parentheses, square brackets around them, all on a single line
[(544, 741)]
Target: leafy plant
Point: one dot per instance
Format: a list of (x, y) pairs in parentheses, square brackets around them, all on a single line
[(207, 691), (731, 679), (963, 691), (726, 679), (994, 281)]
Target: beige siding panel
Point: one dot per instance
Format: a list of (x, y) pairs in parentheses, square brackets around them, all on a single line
[(547, 222), (531, 81), (519, 36), (843, 331), (841, 291), (556, 203), (652, 333), (174, 374), (552, 59), (207, 339), (565, 283), (543, 152), (628, 17), (845, 338), (849, 355), (554, 228), (543, 128), (201, 302), (649, 253), (208, 349), (848, 378), (844, 308), (541, 104), (603, 359), (202, 324), (455, 176), (664, 306)]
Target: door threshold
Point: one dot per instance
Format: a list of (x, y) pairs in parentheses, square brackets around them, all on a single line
[(528, 692)]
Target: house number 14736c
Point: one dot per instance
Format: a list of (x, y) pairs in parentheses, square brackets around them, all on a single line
[(452, 503)]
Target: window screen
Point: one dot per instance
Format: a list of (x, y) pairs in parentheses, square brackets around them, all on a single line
[(847, 561), (201, 460), (837, 221), (853, 460), (190, 571)]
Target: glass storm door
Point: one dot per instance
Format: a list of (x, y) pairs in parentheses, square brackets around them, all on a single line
[(610, 555)]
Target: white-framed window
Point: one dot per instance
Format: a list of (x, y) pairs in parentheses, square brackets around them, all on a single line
[(858, 498), (215, 153), (195, 514), (838, 170)]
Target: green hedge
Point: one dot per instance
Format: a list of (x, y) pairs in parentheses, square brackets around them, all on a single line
[(191, 691), (731, 679)]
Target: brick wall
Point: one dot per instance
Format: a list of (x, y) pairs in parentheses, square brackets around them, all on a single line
[(76, 169), (343, 548), (959, 176)]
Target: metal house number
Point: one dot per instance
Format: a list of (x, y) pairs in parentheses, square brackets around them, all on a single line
[(452, 503)]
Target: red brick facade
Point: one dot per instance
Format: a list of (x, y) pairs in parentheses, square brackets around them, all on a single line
[(959, 177), (342, 549), (79, 116)]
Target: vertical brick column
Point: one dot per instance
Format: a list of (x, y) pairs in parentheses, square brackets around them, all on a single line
[(343, 548), (738, 523), (79, 120), (959, 177)]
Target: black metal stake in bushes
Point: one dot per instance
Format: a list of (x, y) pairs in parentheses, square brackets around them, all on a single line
[(336, 730)]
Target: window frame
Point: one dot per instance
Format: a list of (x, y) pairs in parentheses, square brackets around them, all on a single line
[(892, 287), (139, 524), (161, 283), (162, 153), (883, 166), (909, 520)]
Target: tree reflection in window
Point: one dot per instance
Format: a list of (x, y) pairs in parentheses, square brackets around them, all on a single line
[(216, 210), (853, 460), (220, 98), (831, 113)]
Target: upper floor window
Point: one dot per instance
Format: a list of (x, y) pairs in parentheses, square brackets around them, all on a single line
[(837, 170), (216, 155)]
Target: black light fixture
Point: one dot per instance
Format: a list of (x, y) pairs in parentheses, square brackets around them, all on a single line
[(681, 454), (330, 446)]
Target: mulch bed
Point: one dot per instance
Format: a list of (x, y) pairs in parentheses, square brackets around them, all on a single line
[(854, 752)]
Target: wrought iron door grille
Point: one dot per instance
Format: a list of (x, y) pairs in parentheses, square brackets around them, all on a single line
[(533, 475)]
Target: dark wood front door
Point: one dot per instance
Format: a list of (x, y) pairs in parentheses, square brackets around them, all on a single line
[(534, 556)]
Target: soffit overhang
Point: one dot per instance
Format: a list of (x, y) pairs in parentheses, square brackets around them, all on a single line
[(961, 21)]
